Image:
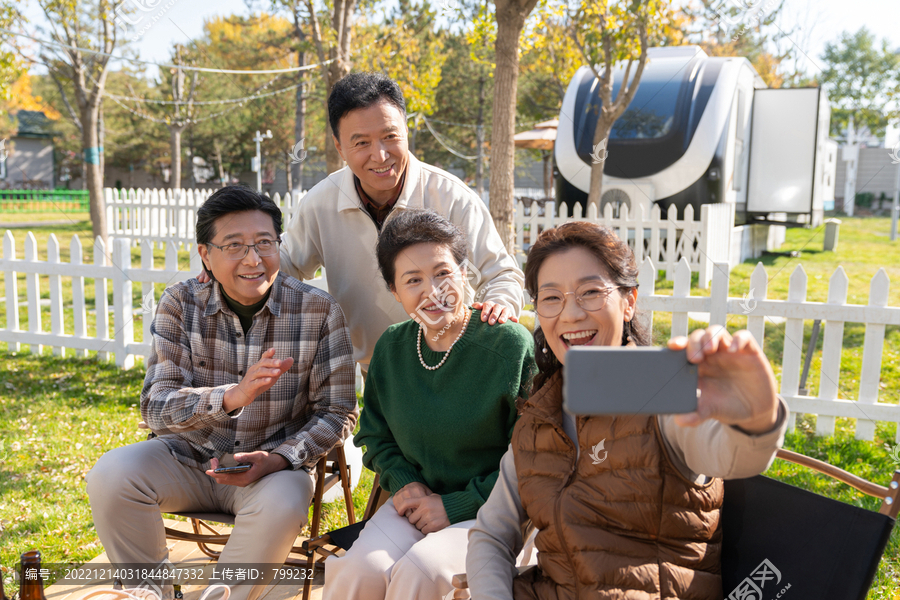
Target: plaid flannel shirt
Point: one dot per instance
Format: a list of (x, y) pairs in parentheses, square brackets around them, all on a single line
[(199, 352)]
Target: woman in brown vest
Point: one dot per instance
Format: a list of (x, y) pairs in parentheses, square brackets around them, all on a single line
[(626, 507)]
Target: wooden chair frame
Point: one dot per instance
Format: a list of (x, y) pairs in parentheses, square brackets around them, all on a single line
[(330, 470), (324, 545), (890, 505)]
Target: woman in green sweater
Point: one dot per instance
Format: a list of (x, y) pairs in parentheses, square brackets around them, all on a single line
[(439, 409)]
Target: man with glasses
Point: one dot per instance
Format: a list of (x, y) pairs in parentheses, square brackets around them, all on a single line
[(251, 368)]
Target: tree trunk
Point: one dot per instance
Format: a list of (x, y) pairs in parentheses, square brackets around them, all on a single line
[(191, 176), (601, 133), (548, 173), (101, 136), (510, 21), (175, 150), (333, 160), (94, 179), (218, 149), (296, 168), (479, 141)]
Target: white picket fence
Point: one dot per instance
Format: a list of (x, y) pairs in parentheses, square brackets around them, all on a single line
[(795, 310), (163, 215), (122, 275), (665, 241)]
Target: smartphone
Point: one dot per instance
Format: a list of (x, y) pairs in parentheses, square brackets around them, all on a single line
[(608, 380), (242, 468)]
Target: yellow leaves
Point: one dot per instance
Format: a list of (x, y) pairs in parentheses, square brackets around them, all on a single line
[(767, 66), (414, 61), (21, 98), (482, 36)]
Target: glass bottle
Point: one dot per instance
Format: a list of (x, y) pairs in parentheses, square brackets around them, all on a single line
[(32, 584)]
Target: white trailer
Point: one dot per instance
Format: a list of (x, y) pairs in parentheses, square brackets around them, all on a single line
[(702, 129)]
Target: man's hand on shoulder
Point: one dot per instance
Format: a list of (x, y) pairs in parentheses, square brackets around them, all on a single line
[(495, 312), (263, 464)]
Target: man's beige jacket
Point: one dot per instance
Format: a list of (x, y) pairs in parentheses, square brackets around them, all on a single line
[(331, 229)]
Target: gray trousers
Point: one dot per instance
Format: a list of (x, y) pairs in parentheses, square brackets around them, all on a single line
[(130, 486)]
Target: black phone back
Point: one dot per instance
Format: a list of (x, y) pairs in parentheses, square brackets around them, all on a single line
[(606, 380)]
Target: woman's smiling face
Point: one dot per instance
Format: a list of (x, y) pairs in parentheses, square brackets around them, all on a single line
[(567, 271), (430, 285)]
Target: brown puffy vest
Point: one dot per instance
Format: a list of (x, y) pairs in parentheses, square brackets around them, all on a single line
[(620, 524)]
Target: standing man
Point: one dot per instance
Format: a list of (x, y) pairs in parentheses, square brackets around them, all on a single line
[(254, 368), (338, 221)]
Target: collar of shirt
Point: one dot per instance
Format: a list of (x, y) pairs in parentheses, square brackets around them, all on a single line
[(379, 213), (217, 300)]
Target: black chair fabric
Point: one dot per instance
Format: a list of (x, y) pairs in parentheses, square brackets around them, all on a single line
[(783, 541), (345, 536)]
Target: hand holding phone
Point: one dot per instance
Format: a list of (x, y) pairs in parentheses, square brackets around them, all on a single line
[(242, 468), (253, 466), (736, 382)]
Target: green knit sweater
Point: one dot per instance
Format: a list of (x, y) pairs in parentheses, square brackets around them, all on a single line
[(446, 428)]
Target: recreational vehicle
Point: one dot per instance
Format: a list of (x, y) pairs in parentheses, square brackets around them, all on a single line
[(699, 130)]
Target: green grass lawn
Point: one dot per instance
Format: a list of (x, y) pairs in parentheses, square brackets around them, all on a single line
[(58, 416), (36, 217)]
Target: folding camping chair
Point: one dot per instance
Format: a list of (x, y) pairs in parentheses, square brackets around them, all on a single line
[(776, 536), (330, 470), (340, 539)]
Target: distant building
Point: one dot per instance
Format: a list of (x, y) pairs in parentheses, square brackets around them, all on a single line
[(29, 163), (876, 175)]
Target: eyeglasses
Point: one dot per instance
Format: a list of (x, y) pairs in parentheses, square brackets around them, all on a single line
[(239, 251), (590, 297)]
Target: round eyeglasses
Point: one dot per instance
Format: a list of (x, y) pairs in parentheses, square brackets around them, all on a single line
[(590, 297), (239, 251)]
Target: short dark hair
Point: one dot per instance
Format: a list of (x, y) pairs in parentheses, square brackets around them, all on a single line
[(408, 227), (362, 90), (233, 199)]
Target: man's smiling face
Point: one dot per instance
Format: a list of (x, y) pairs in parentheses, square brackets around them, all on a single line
[(246, 280), (374, 142)]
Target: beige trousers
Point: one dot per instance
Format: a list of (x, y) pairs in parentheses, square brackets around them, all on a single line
[(130, 486), (392, 560)]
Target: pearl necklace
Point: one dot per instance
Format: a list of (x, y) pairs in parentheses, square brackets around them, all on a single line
[(447, 353)]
